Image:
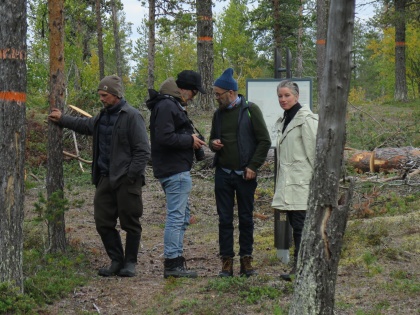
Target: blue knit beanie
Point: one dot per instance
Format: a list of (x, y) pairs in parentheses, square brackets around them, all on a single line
[(226, 81)]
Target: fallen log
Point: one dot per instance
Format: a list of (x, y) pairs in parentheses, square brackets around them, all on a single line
[(385, 160)]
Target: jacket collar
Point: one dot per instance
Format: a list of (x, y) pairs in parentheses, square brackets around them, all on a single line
[(297, 121)]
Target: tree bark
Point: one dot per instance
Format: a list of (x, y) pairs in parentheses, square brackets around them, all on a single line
[(326, 219), (299, 52), (12, 138), (152, 45), (400, 69), (321, 40), (278, 39), (205, 53), (115, 27), (100, 41), (55, 181)]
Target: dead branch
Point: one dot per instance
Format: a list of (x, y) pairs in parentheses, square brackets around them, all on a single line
[(76, 157)]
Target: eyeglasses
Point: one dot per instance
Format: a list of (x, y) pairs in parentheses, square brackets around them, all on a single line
[(194, 92), (217, 95)]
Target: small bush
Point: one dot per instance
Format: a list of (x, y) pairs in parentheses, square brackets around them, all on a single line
[(12, 301)]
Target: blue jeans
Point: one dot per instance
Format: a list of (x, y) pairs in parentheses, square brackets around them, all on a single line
[(227, 186), (177, 189)]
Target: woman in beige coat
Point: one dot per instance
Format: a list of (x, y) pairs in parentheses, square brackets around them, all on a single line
[(296, 143)]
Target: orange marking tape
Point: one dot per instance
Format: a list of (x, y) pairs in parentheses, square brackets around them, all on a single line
[(205, 38), (13, 96), (11, 53), (400, 44), (205, 18), (320, 42)]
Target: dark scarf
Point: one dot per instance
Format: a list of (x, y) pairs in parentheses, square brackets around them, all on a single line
[(289, 114)]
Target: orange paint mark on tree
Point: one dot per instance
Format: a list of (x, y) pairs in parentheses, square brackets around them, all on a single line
[(205, 18), (320, 42), (13, 96), (205, 38), (11, 53), (400, 44)]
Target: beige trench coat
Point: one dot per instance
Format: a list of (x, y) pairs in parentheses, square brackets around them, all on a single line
[(295, 160)]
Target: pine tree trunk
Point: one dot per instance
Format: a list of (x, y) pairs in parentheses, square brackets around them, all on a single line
[(326, 219), (278, 39), (385, 159), (321, 40), (400, 69), (115, 26), (100, 42), (12, 138), (152, 45), (55, 181), (205, 53), (299, 53)]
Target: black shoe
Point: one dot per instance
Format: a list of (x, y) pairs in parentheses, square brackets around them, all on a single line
[(113, 270), (129, 270), (246, 267), (227, 267), (177, 268), (289, 276)]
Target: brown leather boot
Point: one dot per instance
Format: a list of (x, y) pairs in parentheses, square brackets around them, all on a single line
[(246, 267), (227, 267)]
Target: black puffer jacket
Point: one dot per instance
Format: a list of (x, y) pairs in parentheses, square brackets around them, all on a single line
[(130, 150), (170, 132)]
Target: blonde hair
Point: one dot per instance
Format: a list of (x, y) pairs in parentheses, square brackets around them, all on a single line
[(292, 86)]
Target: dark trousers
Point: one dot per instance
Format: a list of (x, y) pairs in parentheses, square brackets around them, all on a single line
[(297, 221), (227, 186), (124, 203)]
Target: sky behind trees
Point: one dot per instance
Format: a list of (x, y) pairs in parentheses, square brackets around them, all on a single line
[(135, 12)]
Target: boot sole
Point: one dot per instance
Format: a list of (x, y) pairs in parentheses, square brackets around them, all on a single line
[(179, 276), (287, 277)]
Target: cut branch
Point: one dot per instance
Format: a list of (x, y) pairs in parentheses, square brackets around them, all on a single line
[(76, 157)]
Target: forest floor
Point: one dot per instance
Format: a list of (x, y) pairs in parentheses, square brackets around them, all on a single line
[(386, 284)]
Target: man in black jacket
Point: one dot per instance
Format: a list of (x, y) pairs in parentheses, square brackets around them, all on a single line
[(120, 153), (173, 142)]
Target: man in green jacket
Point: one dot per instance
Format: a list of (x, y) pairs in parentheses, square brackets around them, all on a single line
[(241, 141), (120, 154)]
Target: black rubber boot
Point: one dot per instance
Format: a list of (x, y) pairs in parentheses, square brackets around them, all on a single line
[(177, 268), (114, 249), (132, 243), (227, 267)]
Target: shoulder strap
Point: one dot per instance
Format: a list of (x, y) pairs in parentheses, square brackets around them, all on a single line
[(248, 106)]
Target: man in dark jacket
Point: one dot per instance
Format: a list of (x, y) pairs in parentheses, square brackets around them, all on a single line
[(120, 153), (241, 141), (173, 143)]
